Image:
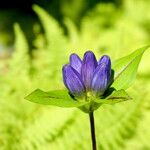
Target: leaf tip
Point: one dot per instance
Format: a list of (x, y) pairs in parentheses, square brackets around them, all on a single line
[(30, 96)]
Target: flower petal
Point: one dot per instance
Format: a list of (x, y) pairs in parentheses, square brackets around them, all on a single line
[(88, 66), (101, 78), (76, 62), (72, 81), (104, 59)]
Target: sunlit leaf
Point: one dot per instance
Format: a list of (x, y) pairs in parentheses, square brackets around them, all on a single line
[(59, 98), (125, 69), (115, 97)]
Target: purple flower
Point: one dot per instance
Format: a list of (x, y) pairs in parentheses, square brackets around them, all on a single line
[(87, 76)]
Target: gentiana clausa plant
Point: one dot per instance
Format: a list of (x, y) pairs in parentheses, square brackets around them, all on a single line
[(91, 83)]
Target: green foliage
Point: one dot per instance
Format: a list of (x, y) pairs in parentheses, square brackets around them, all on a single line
[(27, 126), (115, 97), (56, 42), (20, 54), (59, 98), (125, 69)]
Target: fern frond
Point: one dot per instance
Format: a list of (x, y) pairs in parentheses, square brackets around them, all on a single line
[(20, 62), (56, 48)]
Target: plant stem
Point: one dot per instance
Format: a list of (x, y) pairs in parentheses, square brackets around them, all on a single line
[(92, 125)]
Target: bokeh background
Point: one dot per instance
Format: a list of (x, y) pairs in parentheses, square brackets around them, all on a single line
[(36, 38)]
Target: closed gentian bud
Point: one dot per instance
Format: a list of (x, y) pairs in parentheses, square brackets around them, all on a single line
[(76, 62), (101, 77), (73, 81), (88, 66), (88, 78)]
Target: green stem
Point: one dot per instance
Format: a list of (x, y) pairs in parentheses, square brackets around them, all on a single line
[(92, 125)]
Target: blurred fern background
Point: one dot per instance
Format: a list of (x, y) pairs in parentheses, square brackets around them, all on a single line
[(114, 28)]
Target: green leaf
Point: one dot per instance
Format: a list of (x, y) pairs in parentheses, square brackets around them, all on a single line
[(115, 97), (125, 69), (59, 98), (119, 96)]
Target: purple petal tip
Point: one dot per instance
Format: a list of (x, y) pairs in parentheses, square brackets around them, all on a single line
[(76, 62), (88, 66)]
